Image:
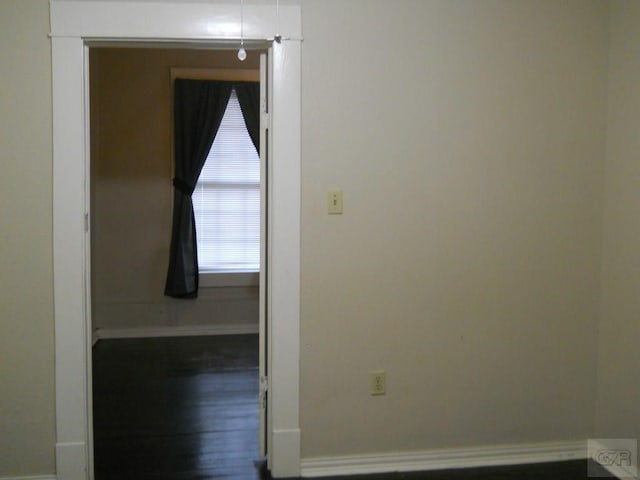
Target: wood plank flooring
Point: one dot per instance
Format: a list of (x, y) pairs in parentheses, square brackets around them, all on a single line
[(176, 408), (186, 409)]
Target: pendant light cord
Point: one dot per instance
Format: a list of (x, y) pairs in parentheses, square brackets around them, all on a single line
[(241, 22), (277, 37)]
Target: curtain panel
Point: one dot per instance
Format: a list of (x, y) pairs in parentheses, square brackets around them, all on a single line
[(249, 100), (199, 107)]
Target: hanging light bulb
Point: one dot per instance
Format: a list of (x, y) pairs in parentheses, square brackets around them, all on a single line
[(242, 53)]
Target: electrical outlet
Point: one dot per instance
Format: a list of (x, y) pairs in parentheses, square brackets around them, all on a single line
[(378, 385)]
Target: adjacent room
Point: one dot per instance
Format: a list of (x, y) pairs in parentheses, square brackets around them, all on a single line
[(175, 372)]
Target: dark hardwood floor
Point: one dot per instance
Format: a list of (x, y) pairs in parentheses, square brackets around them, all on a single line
[(186, 409), (176, 408)]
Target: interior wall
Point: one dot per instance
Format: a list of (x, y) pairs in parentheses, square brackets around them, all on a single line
[(131, 97), (468, 139), (619, 334), (27, 409)]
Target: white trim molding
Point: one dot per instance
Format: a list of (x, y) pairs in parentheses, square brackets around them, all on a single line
[(76, 25), (37, 477), (287, 440), (72, 460), (170, 20), (187, 331), (444, 458)]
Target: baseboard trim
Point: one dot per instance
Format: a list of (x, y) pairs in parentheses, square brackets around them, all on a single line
[(71, 460), (444, 458), (285, 458), (189, 331), (40, 477)]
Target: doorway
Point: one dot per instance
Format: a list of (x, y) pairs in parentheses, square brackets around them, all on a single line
[(188, 379), (74, 25)]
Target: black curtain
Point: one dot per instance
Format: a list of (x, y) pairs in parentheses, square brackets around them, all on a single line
[(249, 99), (199, 106)]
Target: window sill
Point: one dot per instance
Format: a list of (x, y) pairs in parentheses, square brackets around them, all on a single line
[(229, 279)]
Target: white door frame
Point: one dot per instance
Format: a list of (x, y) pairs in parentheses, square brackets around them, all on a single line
[(74, 23)]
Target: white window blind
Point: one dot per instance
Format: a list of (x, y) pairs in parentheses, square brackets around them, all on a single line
[(226, 200)]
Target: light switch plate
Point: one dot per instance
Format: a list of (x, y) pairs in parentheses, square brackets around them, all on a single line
[(378, 384), (334, 202)]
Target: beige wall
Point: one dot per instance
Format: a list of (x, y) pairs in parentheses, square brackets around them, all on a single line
[(132, 194), (468, 138), (26, 295), (619, 354)]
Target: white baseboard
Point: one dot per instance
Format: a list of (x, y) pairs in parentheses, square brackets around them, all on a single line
[(285, 458), (71, 460), (37, 477), (444, 458), (185, 331)]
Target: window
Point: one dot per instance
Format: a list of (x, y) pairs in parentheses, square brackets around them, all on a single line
[(226, 200)]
